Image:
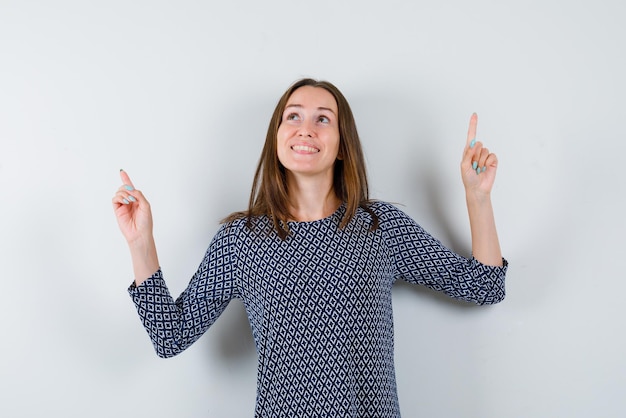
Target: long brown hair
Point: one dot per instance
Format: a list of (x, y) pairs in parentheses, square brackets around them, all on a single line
[(269, 195)]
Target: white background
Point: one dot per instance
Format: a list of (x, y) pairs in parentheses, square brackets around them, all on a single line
[(180, 94)]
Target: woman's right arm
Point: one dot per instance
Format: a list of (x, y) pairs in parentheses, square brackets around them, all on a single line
[(134, 218)]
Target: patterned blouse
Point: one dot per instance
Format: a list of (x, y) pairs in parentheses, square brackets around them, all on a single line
[(319, 305)]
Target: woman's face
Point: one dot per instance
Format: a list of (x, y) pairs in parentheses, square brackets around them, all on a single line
[(308, 136)]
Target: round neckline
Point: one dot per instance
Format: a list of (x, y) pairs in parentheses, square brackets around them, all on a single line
[(337, 214)]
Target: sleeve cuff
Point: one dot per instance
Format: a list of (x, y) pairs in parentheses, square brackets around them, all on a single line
[(156, 276), (503, 267)]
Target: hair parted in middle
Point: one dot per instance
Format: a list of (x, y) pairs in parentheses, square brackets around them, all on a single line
[(270, 196)]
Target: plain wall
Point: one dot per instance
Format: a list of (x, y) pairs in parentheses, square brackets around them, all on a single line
[(180, 94)]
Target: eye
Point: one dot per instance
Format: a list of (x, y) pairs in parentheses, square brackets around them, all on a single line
[(323, 119), (292, 116)]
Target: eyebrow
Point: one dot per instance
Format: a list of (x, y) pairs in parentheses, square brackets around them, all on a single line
[(319, 108)]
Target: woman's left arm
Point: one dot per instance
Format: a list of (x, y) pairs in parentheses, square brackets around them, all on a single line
[(478, 171)]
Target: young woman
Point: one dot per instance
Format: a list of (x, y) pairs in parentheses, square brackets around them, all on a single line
[(313, 259)]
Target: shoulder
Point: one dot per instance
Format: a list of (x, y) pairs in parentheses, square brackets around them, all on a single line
[(386, 211), (392, 220), (241, 227), (380, 215)]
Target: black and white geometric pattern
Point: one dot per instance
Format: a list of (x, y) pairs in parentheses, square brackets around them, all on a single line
[(319, 305)]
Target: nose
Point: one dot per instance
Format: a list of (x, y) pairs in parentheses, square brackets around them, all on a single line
[(306, 129)]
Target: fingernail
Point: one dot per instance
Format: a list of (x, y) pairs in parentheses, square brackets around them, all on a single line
[(484, 168), (129, 188), (473, 143), (126, 202), (132, 199), (478, 171), (474, 165), (121, 169)]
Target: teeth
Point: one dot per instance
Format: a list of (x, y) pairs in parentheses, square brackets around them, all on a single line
[(304, 148)]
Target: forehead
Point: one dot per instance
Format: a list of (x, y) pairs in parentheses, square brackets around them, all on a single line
[(316, 97)]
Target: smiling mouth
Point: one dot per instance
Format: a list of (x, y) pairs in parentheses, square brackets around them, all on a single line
[(305, 148)]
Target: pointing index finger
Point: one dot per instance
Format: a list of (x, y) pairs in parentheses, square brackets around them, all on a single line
[(125, 178), (471, 132)]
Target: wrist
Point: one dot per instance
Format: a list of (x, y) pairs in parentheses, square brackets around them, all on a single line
[(141, 241), (477, 197), (144, 257)]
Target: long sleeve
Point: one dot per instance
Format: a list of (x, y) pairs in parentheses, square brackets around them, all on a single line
[(173, 325), (420, 258)]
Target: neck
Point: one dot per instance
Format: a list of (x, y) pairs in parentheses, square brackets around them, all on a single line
[(312, 199)]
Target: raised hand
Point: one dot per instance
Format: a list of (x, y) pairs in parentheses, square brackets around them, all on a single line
[(132, 210), (478, 165), (134, 218), (478, 170)]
